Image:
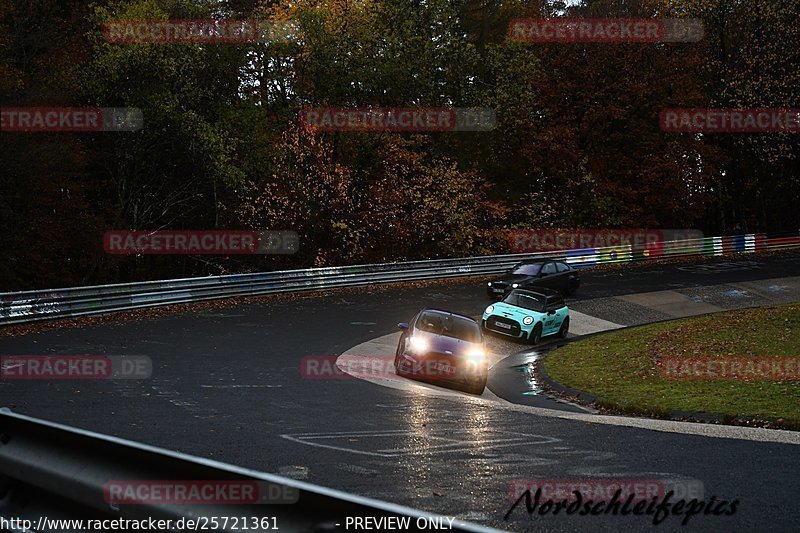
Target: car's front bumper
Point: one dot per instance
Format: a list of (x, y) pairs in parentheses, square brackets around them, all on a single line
[(463, 371), (517, 330)]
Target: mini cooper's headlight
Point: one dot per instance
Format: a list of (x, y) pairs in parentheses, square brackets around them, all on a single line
[(418, 344), (528, 320), (514, 285), (489, 310), (489, 284)]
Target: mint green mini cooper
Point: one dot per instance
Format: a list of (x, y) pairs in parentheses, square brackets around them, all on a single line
[(528, 315)]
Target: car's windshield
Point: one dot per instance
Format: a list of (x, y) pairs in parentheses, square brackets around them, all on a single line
[(534, 302), (527, 269), (450, 326)]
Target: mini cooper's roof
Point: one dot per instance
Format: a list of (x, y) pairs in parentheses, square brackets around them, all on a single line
[(548, 293)]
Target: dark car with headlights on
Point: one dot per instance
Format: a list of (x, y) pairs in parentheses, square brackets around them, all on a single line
[(534, 274), (441, 346)]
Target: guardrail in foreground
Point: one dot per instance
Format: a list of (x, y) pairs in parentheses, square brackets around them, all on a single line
[(31, 306), (52, 471)]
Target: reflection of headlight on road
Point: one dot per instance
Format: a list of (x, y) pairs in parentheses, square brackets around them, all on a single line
[(489, 310), (476, 355), (418, 344), (514, 285), (528, 320)]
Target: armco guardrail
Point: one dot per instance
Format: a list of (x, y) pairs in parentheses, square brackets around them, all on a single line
[(30, 306), (53, 472)]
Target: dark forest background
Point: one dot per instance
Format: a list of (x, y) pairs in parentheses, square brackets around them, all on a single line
[(578, 143)]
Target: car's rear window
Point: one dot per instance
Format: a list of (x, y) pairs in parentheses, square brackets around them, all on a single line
[(530, 269), (526, 301), (450, 326)]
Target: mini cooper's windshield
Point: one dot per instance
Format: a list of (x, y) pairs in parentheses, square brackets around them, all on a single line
[(526, 300)]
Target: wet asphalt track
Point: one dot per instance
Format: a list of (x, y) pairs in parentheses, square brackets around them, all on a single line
[(226, 385)]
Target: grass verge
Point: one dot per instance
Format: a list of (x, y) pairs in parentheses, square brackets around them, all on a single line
[(622, 368)]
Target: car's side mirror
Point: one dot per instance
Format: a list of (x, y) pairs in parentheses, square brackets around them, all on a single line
[(402, 325), (542, 274), (551, 312)]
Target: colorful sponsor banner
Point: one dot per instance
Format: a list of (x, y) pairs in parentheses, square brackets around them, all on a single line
[(223, 31), (686, 246), (760, 241), (197, 492), (48, 367), (696, 120), (777, 242), (604, 30), (735, 243), (743, 368), (70, 119), (228, 242), (614, 254), (652, 250), (586, 257), (419, 119)]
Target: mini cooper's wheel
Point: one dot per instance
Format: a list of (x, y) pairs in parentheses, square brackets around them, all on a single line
[(562, 332), (536, 334)]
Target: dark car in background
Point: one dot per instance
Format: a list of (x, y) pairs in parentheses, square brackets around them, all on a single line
[(441, 346), (536, 273)]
